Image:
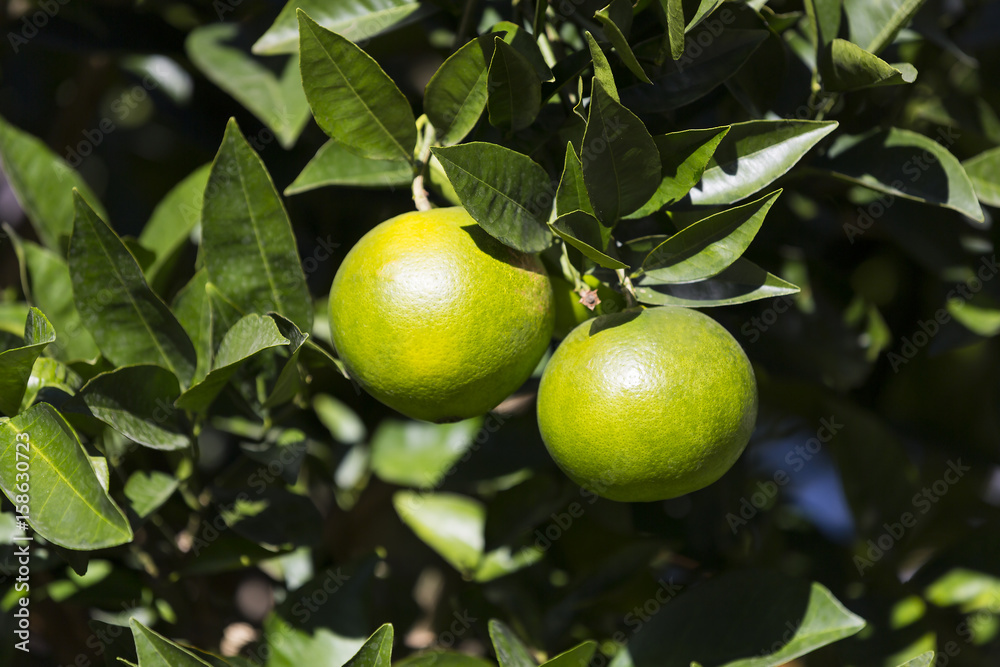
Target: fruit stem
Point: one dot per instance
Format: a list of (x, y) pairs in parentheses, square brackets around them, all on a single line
[(420, 199), (630, 299)]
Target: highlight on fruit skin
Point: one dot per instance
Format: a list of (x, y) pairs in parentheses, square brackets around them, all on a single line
[(437, 319), (647, 404)]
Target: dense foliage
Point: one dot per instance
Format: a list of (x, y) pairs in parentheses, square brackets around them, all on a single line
[(202, 482)]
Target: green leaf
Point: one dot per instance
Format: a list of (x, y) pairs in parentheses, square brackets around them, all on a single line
[(705, 9), (16, 363), (450, 524), (443, 659), (525, 44), (683, 157), (707, 247), (67, 505), (515, 93), (353, 99), (743, 281), (510, 650), (155, 650), (683, 81), (753, 155), (621, 165), (849, 67), (194, 311), (984, 172), (251, 335), (602, 68), (578, 656), (873, 25), (616, 19), (455, 96), (506, 192), (48, 372), (676, 28), (42, 183), (341, 421), (335, 165), (759, 605), (130, 324), (356, 20), (906, 164), (289, 382), (138, 402), (922, 660), (279, 103), (586, 233), (147, 491), (571, 195), (377, 651), (419, 454), (174, 219), (248, 247), (825, 18)]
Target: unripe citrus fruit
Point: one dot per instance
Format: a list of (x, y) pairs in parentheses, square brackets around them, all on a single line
[(436, 318), (647, 404)]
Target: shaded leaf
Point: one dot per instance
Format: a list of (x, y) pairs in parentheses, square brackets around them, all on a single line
[(586, 233), (248, 248), (43, 184), (616, 19), (67, 504), (922, 660), (907, 164), (849, 67), (335, 165), (602, 68), (525, 44), (753, 155), (515, 93), (455, 96), (357, 20), (147, 491), (621, 165), (443, 659), (253, 516), (194, 311), (705, 9), (578, 656), (506, 192), (873, 25), (707, 247), (138, 402), (289, 381), (16, 363), (130, 324), (683, 158), (343, 423), (510, 650), (278, 102), (155, 650), (251, 335), (419, 454), (676, 28), (571, 195), (984, 172), (353, 99), (743, 281)]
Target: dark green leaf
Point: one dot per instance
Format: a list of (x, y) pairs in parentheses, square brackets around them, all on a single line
[(194, 311), (602, 68), (148, 491), (443, 659), (248, 247), (155, 650), (455, 96), (695, 74), (578, 656), (705, 9), (506, 192), (515, 93), (907, 164), (335, 165), (616, 19), (848, 67), (922, 660), (753, 155), (825, 18), (984, 172), (586, 233), (419, 454), (873, 25), (138, 402), (130, 323), (683, 156), (278, 102), (526, 45), (50, 373), (676, 28), (67, 504), (43, 184), (251, 335), (510, 650), (253, 516), (707, 247), (357, 20), (174, 219), (759, 605), (16, 363), (353, 99), (571, 194), (377, 651), (289, 381), (621, 165), (743, 281)]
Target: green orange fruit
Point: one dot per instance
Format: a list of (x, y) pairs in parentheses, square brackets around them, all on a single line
[(437, 319), (647, 404)]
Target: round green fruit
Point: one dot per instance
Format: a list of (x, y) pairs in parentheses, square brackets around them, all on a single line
[(437, 319), (647, 404)]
